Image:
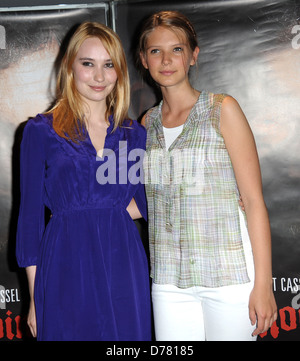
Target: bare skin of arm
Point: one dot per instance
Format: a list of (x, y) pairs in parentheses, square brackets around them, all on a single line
[(241, 146), (133, 210), (31, 319)]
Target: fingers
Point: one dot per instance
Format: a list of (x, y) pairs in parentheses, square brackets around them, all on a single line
[(261, 327), (241, 204), (263, 323), (252, 316), (273, 318)]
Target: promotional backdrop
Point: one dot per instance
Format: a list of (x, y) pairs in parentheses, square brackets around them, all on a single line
[(248, 49)]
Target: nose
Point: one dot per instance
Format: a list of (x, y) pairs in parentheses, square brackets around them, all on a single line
[(166, 59), (99, 75)]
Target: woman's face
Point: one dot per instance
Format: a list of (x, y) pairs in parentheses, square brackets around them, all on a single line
[(93, 70), (168, 57)]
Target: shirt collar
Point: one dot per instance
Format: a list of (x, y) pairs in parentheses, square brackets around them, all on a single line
[(201, 105)]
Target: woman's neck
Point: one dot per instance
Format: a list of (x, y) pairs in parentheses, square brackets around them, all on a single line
[(95, 114), (177, 104)]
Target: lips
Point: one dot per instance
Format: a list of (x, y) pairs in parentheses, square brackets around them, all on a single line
[(98, 88), (167, 72)]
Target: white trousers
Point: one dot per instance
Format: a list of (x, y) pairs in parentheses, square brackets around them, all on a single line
[(201, 313)]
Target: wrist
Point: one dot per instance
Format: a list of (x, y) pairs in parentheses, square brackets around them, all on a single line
[(263, 280)]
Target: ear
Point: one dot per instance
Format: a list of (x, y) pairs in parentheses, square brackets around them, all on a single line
[(195, 56), (143, 60)]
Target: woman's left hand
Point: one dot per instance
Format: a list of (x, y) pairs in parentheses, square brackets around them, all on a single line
[(262, 309)]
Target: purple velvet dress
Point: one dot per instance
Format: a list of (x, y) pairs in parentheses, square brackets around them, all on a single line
[(92, 279)]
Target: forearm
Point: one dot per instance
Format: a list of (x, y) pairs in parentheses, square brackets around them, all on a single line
[(260, 237), (31, 271)]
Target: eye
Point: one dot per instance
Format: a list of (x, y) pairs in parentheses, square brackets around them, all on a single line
[(154, 51), (109, 65), (178, 49), (87, 63)]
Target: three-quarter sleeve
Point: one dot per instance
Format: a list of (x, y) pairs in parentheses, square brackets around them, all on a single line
[(31, 222)]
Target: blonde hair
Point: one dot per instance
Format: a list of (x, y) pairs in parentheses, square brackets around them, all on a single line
[(68, 117)]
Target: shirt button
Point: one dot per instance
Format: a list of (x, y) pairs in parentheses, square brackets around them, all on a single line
[(192, 261)]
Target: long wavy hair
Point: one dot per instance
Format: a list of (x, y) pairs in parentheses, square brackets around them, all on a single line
[(68, 116)]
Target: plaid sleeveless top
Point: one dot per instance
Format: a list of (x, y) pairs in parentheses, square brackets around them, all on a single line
[(193, 211)]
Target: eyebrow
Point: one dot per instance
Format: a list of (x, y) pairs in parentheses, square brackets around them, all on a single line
[(93, 59), (158, 46)]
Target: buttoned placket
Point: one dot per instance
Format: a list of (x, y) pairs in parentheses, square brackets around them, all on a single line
[(167, 181)]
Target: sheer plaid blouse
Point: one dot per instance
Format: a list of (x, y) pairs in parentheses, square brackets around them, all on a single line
[(193, 211)]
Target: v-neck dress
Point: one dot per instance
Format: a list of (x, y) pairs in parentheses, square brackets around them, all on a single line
[(92, 280)]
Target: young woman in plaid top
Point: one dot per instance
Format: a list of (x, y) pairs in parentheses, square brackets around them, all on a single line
[(210, 282)]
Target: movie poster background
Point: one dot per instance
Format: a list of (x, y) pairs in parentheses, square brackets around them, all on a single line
[(33, 40), (248, 49)]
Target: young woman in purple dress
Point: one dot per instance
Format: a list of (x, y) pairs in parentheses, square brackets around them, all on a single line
[(87, 269)]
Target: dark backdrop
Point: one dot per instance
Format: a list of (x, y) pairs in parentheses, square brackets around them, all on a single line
[(248, 49)]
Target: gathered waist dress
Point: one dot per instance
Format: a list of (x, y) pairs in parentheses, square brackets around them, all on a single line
[(92, 279)]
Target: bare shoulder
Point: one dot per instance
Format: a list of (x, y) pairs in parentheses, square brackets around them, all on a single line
[(230, 106), (232, 115)]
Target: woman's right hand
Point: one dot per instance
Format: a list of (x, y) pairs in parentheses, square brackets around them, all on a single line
[(31, 319)]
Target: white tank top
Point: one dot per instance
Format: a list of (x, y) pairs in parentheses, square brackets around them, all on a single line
[(171, 134)]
